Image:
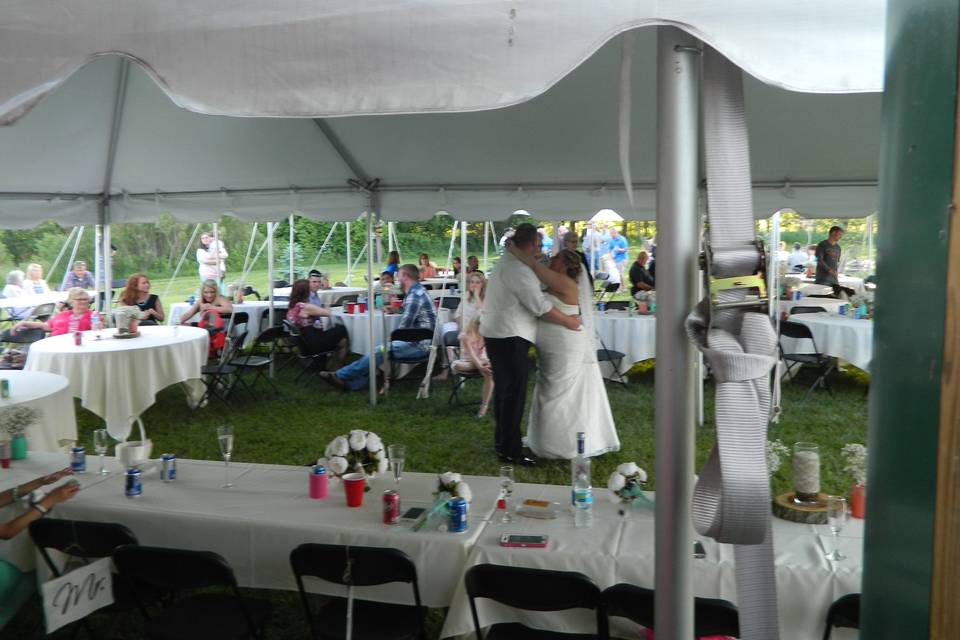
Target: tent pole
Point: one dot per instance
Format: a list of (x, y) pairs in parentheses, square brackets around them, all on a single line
[(63, 250), (270, 280), (107, 262), (246, 258), (363, 250), (216, 245), (326, 241), (486, 248), (98, 266), (463, 257), (371, 311), (390, 244), (349, 261), (73, 256), (290, 249), (677, 170), (183, 257)]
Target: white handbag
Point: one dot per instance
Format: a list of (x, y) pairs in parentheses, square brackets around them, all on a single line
[(135, 452)]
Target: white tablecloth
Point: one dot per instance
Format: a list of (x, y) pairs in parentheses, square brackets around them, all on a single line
[(636, 337), (118, 379), (258, 522), (35, 299), (850, 282), (49, 395), (618, 549), (356, 326), (839, 336), (327, 296), (253, 308)]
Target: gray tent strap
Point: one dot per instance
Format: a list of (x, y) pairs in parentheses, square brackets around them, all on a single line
[(732, 497)]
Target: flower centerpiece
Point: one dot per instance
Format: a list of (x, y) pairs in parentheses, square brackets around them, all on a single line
[(646, 301), (127, 319), (775, 452), (356, 452), (855, 463), (452, 484), (626, 483), (15, 420)]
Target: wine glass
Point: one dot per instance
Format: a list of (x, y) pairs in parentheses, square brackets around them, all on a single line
[(397, 454), (225, 440), (836, 517), (506, 492), (100, 443)]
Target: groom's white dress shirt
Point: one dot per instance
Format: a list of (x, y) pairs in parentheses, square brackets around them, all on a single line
[(514, 301)]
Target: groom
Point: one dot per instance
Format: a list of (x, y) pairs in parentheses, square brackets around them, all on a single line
[(508, 324)]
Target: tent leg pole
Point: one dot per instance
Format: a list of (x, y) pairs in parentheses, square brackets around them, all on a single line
[(463, 259), (371, 203), (290, 250), (349, 259), (73, 256), (216, 244), (107, 264), (486, 248), (98, 259), (270, 280), (677, 170)]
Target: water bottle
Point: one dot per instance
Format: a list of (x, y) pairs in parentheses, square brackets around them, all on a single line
[(581, 491), (95, 321)]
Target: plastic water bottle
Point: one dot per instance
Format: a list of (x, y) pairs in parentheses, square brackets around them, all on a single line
[(582, 490), (96, 323)]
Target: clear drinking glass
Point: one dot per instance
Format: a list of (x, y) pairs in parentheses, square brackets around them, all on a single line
[(837, 514), (100, 443), (225, 440), (506, 491), (397, 453)]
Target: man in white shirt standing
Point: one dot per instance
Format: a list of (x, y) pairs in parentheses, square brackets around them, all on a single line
[(508, 323)]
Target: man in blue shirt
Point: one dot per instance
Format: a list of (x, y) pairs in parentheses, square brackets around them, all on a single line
[(417, 313), (617, 246), (78, 277)]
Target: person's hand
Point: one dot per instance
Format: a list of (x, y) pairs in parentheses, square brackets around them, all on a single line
[(573, 323), (206, 306), (486, 370), (512, 247), (56, 475), (15, 328), (63, 493)]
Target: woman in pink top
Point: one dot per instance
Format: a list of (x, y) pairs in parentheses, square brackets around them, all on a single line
[(76, 318), (473, 359)]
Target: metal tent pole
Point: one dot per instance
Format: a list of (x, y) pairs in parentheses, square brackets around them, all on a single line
[(349, 261), (390, 236), (73, 256), (486, 248), (270, 226), (463, 258), (107, 263), (97, 246), (246, 259), (678, 73), (216, 246), (290, 249), (371, 311), (63, 250)]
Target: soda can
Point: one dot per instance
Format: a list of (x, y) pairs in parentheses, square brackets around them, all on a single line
[(391, 506), (457, 513), (318, 482), (77, 338), (133, 488), (4, 388), (78, 459), (601, 306), (168, 469)]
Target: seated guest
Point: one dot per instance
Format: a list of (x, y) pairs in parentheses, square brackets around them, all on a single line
[(456, 265), (473, 264), (393, 262), (640, 278), (386, 280), (14, 289), (317, 283), (472, 303), (306, 317), (427, 270), (797, 259), (418, 313), (608, 264), (137, 294), (34, 282), (210, 300), (473, 358), (78, 277), (76, 318), (16, 587)]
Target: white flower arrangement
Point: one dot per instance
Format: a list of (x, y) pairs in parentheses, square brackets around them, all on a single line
[(15, 420), (626, 482), (855, 461), (775, 452), (645, 296), (356, 452), (453, 484), (123, 316)]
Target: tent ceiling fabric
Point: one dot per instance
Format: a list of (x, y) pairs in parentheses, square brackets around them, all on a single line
[(559, 148)]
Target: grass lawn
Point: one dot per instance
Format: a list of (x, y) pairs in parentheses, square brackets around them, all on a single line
[(295, 428)]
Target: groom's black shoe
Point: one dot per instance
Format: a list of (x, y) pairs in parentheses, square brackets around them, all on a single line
[(522, 460)]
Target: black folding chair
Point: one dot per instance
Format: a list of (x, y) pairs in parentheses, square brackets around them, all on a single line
[(618, 305), (223, 613), (451, 303), (458, 377), (42, 312), (344, 299), (711, 616), (844, 612), (533, 590), (250, 291), (235, 322), (807, 309), (310, 361), (823, 364), (280, 284), (408, 335), (220, 376), (259, 365), (358, 567)]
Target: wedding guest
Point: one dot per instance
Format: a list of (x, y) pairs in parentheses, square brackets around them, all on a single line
[(473, 359), (393, 263), (546, 242), (211, 259), (570, 241), (456, 265), (417, 313), (306, 317), (797, 259), (427, 270), (618, 247), (78, 277), (137, 294), (472, 303), (210, 300), (17, 586), (317, 283), (609, 265), (34, 282), (76, 318), (473, 264), (14, 289), (386, 279), (640, 278), (828, 258)]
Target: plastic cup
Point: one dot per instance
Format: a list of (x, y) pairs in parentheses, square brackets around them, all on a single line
[(5, 454), (351, 307), (362, 307), (397, 304), (353, 486)]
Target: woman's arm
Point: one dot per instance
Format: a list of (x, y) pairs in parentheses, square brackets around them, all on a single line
[(189, 313), (559, 282), (55, 497), (311, 311), (223, 305), (468, 346), (30, 324), (158, 310)]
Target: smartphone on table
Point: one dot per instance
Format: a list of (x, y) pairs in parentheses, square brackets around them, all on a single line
[(518, 540)]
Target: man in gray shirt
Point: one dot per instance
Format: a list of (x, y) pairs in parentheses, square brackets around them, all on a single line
[(828, 258)]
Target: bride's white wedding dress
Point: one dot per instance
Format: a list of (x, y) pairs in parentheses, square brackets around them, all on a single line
[(569, 394)]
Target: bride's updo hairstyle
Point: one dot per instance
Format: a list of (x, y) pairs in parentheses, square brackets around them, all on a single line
[(572, 264)]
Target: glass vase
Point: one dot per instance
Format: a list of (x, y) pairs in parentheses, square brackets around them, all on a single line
[(18, 447), (806, 473)]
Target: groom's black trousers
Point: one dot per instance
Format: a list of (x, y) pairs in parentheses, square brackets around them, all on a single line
[(510, 364)]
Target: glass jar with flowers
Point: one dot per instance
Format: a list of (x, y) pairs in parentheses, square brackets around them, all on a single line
[(855, 463)]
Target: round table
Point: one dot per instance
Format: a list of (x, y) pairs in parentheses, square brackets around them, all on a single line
[(49, 395), (118, 379), (635, 336), (356, 326), (836, 335), (253, 308), (328, 297)]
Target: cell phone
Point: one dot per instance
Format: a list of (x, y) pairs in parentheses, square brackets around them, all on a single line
[(412, 513), (516, 540)]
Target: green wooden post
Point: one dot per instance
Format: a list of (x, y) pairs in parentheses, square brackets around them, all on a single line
[(916, 179)]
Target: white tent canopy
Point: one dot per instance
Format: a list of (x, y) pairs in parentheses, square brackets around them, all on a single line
[(555, 155)]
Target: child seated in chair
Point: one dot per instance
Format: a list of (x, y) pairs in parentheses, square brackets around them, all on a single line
[(473, 359)]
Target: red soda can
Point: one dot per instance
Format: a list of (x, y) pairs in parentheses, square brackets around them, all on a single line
[(391, 507), (77, 338)]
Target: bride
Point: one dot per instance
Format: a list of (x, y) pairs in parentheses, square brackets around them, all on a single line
[(569, 395)]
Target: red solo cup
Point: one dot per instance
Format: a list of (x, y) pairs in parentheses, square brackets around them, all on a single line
[(436, 302), (353, 486), (362, 307), (351, 307), (5, 454), (397, 304)]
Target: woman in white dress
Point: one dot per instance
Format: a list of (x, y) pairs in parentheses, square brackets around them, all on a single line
[(569, 394)]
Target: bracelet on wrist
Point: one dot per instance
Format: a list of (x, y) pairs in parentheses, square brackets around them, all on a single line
[(40, 508)]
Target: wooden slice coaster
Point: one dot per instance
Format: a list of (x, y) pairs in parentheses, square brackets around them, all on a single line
[(784, 507)]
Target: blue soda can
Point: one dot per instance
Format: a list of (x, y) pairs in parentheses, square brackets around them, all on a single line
[(168, 468), (78, 459), (601, 306), (133, 488), (457, 513)]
